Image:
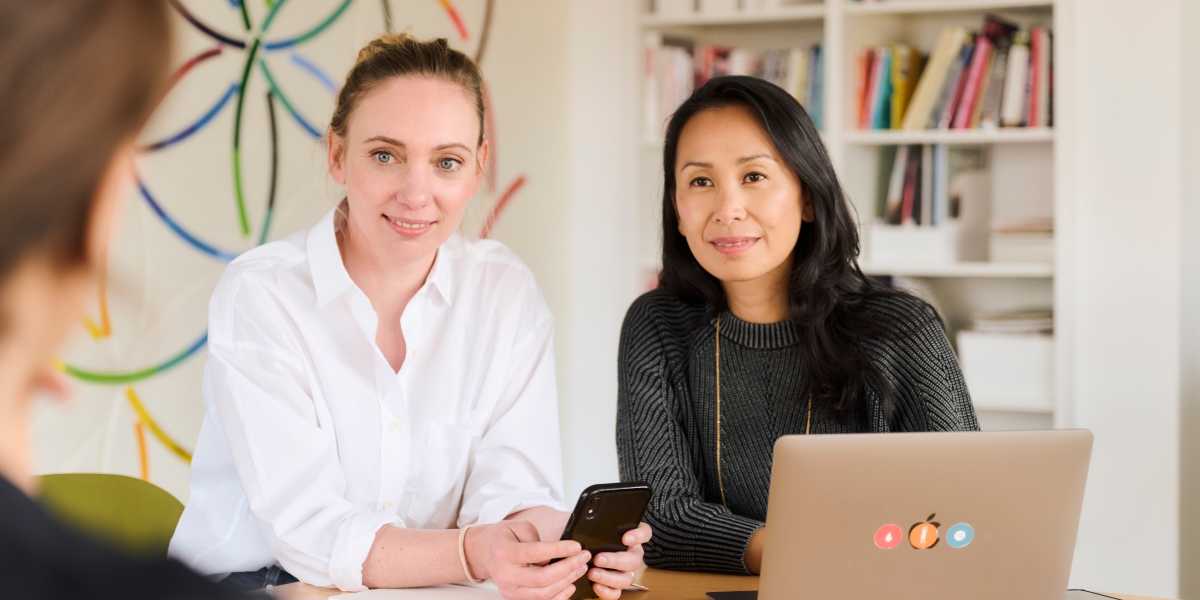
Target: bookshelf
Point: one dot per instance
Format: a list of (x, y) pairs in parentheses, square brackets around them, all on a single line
[(1025, 168)]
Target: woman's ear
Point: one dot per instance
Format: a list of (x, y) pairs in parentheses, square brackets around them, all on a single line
[(336, 152), (106, 206), (806, 209), (482, 156)]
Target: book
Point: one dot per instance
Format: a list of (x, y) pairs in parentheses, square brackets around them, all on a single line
[(941, 183), (882, 111), (947, 50), (883, 179), (1035, 78), (989, 114), (866, 68), (816, 82), (895, 194), (906, 69), (1042, 35), (1013, 105), (947, 116), (911, 177), (926, 186), (973, 83), (985, 81), (797, 75)]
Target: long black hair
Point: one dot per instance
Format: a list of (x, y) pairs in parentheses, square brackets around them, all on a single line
[(826, 287)]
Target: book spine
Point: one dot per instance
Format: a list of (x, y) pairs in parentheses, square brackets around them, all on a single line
[(966, 108), (1014, 85)]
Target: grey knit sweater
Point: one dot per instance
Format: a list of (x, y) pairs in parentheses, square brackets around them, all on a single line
[(666, 419)]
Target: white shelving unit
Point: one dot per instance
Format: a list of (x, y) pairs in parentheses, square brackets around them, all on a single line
[(1028, 171)]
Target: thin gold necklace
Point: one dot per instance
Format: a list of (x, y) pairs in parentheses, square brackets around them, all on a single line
[(807, 416)]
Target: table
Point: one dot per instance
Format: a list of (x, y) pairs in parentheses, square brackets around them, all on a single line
[(664, 585)]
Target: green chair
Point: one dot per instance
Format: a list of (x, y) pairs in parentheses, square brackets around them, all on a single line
[(131, 514)]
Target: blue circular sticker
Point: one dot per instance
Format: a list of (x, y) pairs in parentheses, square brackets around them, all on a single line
[(960, 535)]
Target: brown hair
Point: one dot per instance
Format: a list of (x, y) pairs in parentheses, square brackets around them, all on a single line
[(397, 55), (78, 78)]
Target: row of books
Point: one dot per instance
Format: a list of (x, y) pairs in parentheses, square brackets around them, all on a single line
[(927, 185), (1000, 76), (674, 8), (675, 66)]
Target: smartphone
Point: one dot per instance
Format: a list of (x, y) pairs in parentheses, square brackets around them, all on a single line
[(603, 515)]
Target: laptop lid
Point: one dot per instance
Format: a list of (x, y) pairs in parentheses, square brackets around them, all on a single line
[(924, 516)]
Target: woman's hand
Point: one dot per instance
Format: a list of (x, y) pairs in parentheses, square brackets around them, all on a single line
[(616, 571), (511, 555)]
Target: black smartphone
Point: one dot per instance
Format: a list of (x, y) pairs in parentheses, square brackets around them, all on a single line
[(603, 515)]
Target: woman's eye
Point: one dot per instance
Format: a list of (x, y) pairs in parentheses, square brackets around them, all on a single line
[(449, 164), (754, 177), (383, 157), (700, 182)]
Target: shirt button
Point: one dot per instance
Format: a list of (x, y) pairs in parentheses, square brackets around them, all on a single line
[(388, 506), (397, 425)]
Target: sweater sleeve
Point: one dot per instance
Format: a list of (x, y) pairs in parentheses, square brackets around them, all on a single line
[(652, 446), (933, 395)]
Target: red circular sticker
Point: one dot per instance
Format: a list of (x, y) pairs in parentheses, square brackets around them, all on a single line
[(888, 536)]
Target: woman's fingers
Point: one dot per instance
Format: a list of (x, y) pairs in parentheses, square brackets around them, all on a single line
[(614, 579), (620, 561), (605, 592), (637, 537)]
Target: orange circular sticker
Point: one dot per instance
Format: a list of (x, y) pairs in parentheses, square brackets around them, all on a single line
[(924, 535)]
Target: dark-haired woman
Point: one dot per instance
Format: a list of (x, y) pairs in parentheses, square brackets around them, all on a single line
[(763, 325)]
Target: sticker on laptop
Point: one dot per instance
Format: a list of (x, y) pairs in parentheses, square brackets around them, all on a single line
[(888, 536), (960, 535), (924, 535)]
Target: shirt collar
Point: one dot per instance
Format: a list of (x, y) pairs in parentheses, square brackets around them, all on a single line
[(331, 280)]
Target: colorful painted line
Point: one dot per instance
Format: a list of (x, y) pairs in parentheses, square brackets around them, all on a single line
[(196, 125), (484, 31), (205, 28), (191, 64), (159, 434), (103, 329), (175, 226), (125, 377), (501, 204), (139, 434), (308, 35), (455, 18), (287, 103), (315, 71), (238, 190), (119, 378)]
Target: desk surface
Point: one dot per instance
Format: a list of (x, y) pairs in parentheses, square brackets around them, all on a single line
[(664, 585)]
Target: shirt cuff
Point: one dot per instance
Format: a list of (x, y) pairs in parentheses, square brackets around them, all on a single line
[(353, 544), (499, 508)]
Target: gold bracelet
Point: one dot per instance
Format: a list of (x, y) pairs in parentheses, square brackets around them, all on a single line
[(462, 553)]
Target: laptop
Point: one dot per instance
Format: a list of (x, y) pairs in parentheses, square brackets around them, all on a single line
[(923, 516)]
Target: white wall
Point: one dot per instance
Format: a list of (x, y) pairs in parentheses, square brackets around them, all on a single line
[(1125, 110), (600, 240), (1189, 557)]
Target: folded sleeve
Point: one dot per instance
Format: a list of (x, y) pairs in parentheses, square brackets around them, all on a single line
[(256, 384)]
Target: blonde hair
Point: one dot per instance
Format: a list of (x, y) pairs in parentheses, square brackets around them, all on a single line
[(397, 55)]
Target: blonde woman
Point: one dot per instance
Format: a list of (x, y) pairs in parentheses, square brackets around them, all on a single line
[(381, 406)]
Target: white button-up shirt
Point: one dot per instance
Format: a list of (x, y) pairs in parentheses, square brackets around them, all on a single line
[(311, 442)]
